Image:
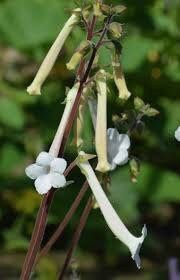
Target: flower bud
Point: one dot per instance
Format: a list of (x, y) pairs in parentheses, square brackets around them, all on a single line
[(119, 79), (101, 123), (47, 64), (97, 9), (115, 31), (106, 10), (83, 49)]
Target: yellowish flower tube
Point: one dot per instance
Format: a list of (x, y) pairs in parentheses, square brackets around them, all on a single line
[(47, 64), (119, 78), (101, 123)]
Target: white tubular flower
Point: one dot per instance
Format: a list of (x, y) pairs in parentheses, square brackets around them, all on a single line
[(47, 172), (118, 145), (119, 79), (110, 215), (101, 123), (70, 99), (47, 64), (177, 134)]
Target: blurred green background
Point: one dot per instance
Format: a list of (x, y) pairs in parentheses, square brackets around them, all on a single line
[(151, 60)]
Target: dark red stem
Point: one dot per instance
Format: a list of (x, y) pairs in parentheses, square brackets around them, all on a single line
[(39, 229), (64, 223), (76, 236)]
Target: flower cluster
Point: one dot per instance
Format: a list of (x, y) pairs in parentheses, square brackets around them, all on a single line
[(91, 87)]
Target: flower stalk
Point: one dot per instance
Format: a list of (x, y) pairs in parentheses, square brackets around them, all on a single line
[(112, 219), (47, 64)]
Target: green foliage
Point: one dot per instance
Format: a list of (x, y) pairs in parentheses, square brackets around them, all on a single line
[(124, 196), (10, 158), (14, 240), (135, 51), (11, 114), (36, 22)]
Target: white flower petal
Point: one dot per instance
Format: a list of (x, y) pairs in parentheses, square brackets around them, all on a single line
[(113, 134), (121, 158), (57, 180), (117, 145), (177, 134), (58, 165), (124, 141), (43, 184), (112, 144), (135, 247), (33, 171), (44, 159)]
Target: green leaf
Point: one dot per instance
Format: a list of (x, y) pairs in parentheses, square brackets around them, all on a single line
[(10, 157), (11, 114), (158, 185), (170, 109), (135, 51), (32, 22), (172, 70), (123, 195)]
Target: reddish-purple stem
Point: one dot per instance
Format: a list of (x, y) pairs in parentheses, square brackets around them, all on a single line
[(65, 221), (76, 236)]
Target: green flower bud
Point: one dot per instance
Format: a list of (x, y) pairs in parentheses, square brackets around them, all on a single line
[(135, 169), (151, 112), (138, 104), (115, 31), (106, 10), (83, 50), (97, 9), (119, 9)]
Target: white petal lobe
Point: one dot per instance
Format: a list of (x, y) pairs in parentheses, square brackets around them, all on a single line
[(177, 134), (43, 184), (44, 159), (33, 171), (58, 165), (121, 158), (124, 141), (57, 180)]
